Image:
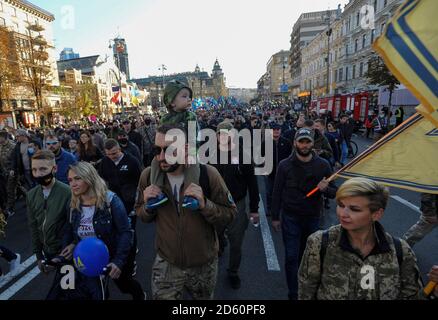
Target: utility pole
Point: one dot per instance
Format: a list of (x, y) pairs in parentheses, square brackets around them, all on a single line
[(329, 34)]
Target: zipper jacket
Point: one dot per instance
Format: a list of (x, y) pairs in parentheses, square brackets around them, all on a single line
[(47, 218)]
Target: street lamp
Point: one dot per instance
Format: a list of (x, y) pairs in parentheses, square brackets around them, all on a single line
[(112, 44), (162, 68)]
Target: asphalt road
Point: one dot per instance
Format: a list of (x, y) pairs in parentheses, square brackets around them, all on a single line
[(261, 279)]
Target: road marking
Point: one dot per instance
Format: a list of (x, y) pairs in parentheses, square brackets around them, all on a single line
[(20, 284), (268, 243), (26, 264), (406, 203)]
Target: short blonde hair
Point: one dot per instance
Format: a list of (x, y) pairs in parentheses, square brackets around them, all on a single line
[(376, 193)]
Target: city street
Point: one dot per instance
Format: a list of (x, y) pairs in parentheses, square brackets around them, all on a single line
[(262, 270)]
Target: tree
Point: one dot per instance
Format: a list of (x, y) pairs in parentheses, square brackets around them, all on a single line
[(379, 74), (78, 99), (35, 62), (9, 67)]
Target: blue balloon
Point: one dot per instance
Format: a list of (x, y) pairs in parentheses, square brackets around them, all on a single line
[(90, 257)]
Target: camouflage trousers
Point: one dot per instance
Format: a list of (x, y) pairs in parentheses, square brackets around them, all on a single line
[(418, 231), (8, 191), (169, 281)]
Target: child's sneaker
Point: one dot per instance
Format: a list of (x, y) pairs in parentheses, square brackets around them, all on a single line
[(156, 202)]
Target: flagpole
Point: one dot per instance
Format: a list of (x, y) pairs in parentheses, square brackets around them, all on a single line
[(367, 152)]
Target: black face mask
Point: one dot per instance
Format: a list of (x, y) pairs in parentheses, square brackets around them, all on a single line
[(46, 180), (147, 122), (123, 141)]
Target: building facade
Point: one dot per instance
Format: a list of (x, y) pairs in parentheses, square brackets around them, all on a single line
[(307, 27), (68, 54), (243, 94), (351, 42), (121, 57), (30, 27), (202, 84), (104, 75)]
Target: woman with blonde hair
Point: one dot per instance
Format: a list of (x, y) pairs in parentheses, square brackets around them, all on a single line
[(358, 260), (96, 212)]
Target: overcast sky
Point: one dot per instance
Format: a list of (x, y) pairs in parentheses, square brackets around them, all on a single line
[(242, 34)]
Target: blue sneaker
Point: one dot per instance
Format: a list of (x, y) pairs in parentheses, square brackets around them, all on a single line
[(190, 203), (156, 202)]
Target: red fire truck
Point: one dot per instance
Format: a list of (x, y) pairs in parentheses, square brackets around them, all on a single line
[(358, 103)]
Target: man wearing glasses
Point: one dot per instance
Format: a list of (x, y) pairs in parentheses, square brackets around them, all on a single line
[(63, 158), (186, 240)]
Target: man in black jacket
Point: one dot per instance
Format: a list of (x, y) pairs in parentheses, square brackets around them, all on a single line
[(281, 150), (240, 179), (133, 136), (128, 147), (296, 177), (122, 172)]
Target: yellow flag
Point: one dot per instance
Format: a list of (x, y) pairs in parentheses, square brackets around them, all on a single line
[(405, 158), (409, 47)]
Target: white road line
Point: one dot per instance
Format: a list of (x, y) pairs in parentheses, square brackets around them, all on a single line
[(20, 284), (26, 264), (406, 203), (268, 243)]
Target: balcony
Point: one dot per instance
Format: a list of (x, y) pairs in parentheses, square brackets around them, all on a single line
[(35, 27), (40, 41)]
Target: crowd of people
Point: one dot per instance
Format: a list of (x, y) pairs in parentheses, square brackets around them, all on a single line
[(95, 180)]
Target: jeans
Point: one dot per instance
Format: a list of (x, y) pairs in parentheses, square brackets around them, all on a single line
[(269, 185), (236, 232), (296, 229), (344, 150)]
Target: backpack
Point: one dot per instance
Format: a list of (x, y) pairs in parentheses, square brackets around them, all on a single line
[(324, 245)]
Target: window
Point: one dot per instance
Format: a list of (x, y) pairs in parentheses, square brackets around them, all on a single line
[(16, 27), (346, 73), (375, 6), (357, 19), (364, 41), (382, 27), (361, 69), (336, 75), (373, 35), (385, 3), (13, 11), (2, 22), (354, 72), (1, 6), (356, 45)]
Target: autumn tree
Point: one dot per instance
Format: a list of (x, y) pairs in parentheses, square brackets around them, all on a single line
[(9, 66), (35, 62)]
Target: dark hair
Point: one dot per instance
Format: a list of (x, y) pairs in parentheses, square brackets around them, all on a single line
[(320, 121), (309, 123), (82, 150), (44, 155), (165, 128), (111, 143), (4, 135)]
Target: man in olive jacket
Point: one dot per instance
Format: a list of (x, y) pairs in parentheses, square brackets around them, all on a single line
[(47, 207), (186, 240)]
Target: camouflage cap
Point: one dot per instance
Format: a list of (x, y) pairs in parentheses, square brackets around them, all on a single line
[(172, 89)]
